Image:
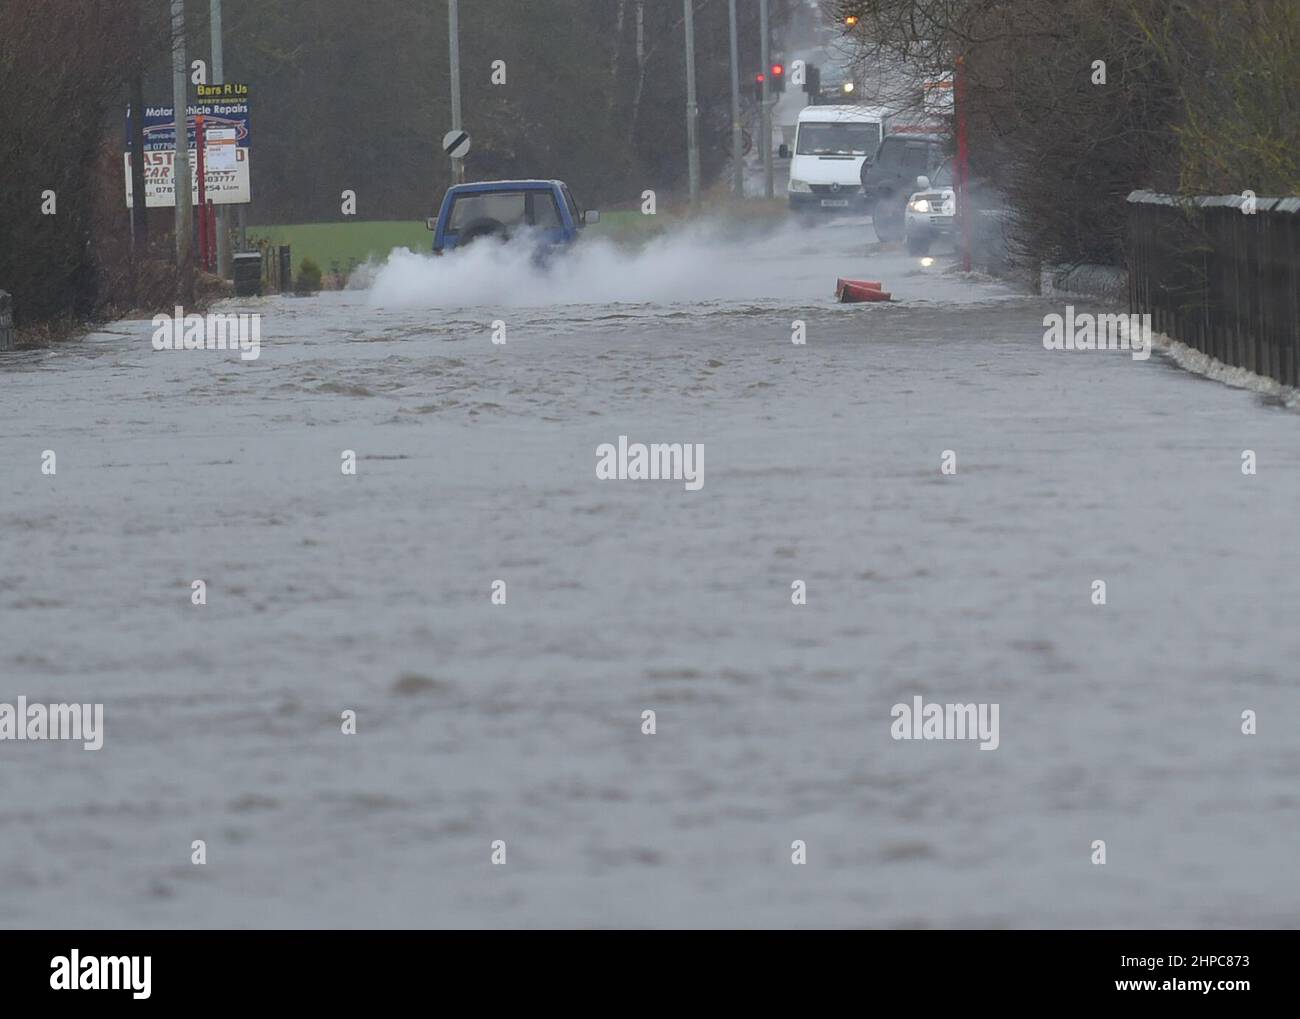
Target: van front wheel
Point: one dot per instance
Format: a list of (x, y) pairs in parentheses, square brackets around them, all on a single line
[(887, 219)]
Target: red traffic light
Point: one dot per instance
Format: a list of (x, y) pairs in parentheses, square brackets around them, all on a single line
[(777, 70), (760, 77)]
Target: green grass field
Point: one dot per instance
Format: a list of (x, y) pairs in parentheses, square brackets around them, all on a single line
[(332, 245), (337, 244)]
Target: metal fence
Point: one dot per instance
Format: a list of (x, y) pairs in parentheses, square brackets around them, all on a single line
[(277, 267), (1221, 274)]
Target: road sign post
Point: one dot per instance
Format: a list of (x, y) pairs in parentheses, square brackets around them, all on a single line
[(453, 34)]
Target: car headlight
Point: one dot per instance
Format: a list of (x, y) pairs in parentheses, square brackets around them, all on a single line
[(800, 186), (919, 205)]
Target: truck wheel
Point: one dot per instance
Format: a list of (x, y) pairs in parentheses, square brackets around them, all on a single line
[(802, 215), (918, 243)]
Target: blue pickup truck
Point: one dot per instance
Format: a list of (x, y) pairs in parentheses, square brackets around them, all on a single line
[(504, 208)]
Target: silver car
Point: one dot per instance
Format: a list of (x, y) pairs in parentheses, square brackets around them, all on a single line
[(931, 210)]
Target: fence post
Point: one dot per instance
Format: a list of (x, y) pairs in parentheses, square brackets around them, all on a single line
[(6, 321), (1289, 209)]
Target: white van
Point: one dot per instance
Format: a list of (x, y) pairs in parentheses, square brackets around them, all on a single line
[(830, 143)]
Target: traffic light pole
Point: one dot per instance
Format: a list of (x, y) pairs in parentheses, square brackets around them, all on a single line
[(765, 110), (737, 156)]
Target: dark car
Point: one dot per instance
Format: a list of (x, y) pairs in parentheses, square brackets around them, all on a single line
[(889, 177)]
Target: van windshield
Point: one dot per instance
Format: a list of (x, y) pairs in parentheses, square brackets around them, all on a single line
[(837, 139)]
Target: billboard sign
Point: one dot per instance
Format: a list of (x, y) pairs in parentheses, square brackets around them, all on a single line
[(225, 113)]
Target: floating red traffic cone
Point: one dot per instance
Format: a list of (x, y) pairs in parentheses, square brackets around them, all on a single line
[(855, 291)]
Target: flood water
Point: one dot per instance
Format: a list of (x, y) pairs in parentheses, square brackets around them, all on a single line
[(522, 722)]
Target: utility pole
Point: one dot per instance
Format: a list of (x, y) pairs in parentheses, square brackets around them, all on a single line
[(692, 109), (765, 112), (181, 165), (139, 216), (219, 78), (737, 163), (453, 32)]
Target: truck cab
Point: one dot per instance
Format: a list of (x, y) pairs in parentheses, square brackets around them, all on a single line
[(502, 209), (830, 144)]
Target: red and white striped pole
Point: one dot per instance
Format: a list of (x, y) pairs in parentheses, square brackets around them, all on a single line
[(963, 162), (203, 193), (210, 235)]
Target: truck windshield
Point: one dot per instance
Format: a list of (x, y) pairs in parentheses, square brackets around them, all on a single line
[(844, 139), (506, 207), (509, 208)]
